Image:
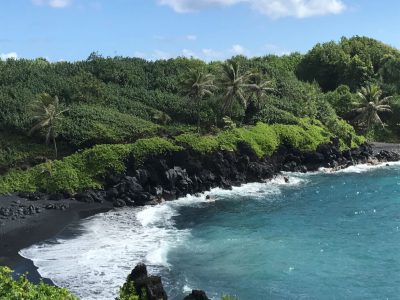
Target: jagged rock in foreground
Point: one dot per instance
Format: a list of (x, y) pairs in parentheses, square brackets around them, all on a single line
[(150, 285), (197, 295)]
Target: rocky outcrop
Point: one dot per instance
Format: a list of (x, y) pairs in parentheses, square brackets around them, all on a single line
[(151, 286), (175, 174), (386, 156), (197, 295), (167, 177)]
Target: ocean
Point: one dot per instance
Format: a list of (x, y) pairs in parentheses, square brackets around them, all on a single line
[(322, 235)]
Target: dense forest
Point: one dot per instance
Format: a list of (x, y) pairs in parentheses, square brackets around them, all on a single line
[(104, 100)]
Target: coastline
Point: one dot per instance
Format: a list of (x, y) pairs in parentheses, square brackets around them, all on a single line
[(26, 231)]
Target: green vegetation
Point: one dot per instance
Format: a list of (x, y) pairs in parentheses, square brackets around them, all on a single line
[(197, 86), (15, 151), (47, 113), (88, 125), (88, 168), (82, 170), (11, 289), (106, 110), (22, 289), (349, 68), (128, 292), (371, 105)]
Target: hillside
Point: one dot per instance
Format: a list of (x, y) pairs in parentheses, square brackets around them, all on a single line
[(120, 100)]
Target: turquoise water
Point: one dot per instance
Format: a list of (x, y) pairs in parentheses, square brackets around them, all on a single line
[(334, 237), (322, 236)]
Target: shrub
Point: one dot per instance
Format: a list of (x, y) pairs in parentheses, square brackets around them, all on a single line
[(87, 169), (305, 137), (11, 289), (273, 115), (55, 176), (261, 138), (89, 125), (227, 297), (74, 173), (201, 144), (17, 150), (346, 133), (145, 148), (128, 291), (17, 180)]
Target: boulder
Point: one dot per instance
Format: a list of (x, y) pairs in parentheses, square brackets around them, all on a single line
[(90, 196), (387, 156), (142, 198), (111, 194), (119, 203), (152, 285), (56, 196), (142, 176), (197, 295)]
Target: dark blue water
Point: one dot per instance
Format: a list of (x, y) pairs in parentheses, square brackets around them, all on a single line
[(335, 237), (322, 236)]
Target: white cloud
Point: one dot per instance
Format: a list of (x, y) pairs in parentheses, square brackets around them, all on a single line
[(184, 6), (188, 53), (298, 8), (174, 39), (11, 55), (154, 55), (271, 8), (238, 50), (211, 54), (53, 3)]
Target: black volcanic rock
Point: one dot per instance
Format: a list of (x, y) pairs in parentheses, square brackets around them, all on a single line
[(197, 295), (152, 285)]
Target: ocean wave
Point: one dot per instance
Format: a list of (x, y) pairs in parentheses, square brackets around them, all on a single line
[(361, 168), (96, 262)]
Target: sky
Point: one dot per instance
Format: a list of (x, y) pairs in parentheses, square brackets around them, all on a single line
[(70, 30)]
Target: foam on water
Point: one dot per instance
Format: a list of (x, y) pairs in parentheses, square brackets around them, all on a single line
[(93, 258), (367, 167)]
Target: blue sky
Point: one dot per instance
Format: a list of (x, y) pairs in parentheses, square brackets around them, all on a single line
[(208, 29)]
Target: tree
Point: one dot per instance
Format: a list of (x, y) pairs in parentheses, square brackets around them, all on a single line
[(47, 112), (233, 84), (371, 104), (196, 86), (258, 87)]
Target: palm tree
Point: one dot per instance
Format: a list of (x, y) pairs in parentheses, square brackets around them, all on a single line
[(196, 86), (162, 117), (47, 112), (259, 87), (371, 104), (234, 84)]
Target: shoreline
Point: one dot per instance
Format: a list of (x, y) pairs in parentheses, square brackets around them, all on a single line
[(23, 232)]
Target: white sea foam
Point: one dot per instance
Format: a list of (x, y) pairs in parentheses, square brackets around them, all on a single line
[(94, 263), (361, 168)]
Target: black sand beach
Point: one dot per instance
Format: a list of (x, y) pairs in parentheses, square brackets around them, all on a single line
[(22, 232)]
